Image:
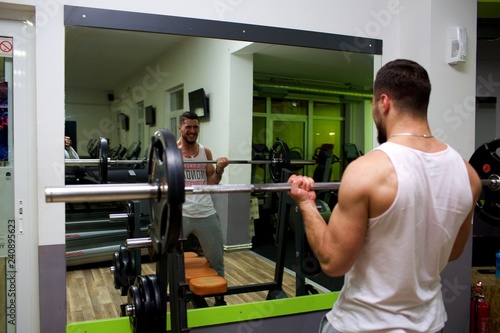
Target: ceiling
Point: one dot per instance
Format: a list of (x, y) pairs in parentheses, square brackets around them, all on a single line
[(102, 58)]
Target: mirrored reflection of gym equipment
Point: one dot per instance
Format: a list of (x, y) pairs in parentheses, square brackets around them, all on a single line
[(147, 294)]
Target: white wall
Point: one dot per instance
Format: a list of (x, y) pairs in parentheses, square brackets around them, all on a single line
[(85, 106), (413, 29), (200, 63)]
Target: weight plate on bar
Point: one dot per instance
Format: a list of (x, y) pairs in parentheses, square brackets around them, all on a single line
[(486, 162), (137, 319), (310, 265), (147, 302), (125, 265), (279, 155), (165, 167), (118, 270), (156, 317), (103, 153)]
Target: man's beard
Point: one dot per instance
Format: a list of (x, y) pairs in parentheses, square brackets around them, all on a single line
[(381, 133), (191, 142)]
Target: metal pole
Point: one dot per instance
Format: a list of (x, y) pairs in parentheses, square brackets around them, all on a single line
[(97, 162), (276, 161), (101, 192), (115, 192), (493, 183)]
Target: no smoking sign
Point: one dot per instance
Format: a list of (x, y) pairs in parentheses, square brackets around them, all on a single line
[(5, 47)]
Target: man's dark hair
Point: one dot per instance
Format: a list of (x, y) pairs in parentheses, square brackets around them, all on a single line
[(407, 83), (188, 115)]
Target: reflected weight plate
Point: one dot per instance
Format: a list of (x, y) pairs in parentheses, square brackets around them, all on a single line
[(165, 167), (138, 318), (486, 162), (148, 303), (118, 267), (103, 153), (279, 155), (156, 316)]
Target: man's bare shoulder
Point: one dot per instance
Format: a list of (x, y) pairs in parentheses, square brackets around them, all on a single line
[(208, 153), (371, 178), (374, 162)]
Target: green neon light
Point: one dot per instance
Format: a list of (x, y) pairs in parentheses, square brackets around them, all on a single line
[(221, 314)]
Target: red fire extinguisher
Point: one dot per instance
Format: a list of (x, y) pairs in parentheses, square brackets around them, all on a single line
[(479, 311)]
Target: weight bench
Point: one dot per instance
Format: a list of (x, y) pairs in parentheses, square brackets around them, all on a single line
[(202, 279)]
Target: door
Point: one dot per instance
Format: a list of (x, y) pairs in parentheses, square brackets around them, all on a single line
[(18, 274)]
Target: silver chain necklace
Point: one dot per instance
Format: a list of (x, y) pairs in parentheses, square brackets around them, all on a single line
[(427, 136), (191, 155)]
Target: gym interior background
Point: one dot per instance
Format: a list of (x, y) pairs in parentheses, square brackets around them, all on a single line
[(285, 92)]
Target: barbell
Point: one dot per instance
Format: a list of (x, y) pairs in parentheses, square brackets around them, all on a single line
[(166, 192), (97, 162), (278, 159)]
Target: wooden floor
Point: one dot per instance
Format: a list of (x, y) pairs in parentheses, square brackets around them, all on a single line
[(91, 294)]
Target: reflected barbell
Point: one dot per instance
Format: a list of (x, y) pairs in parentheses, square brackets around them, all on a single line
[(97, 162), (278, 159)]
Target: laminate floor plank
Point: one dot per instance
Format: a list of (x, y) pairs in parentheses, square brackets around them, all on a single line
[(91, 294)]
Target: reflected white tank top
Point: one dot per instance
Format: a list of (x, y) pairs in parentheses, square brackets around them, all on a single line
[(197, 205)]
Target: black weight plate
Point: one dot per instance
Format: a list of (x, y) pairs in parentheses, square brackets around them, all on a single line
[(486, 162), (310, 266), (157, 318), (137, 320), (166, 167), (147, 301), (126, 270), (279, 155), (103, 153), (117, 263)]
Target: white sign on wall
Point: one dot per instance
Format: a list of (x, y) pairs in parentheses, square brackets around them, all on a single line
[(5, 47)]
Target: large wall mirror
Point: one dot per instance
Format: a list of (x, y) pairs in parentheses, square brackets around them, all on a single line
[(128, 74)]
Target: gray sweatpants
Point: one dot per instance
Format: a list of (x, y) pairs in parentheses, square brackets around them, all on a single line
[(209, 232), (326, 327)]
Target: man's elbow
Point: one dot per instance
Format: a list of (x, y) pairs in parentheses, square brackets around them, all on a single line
[(454, 256), (334, 270)]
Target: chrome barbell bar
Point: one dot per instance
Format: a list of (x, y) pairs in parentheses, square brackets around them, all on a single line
[(97, 162), (116, 192)]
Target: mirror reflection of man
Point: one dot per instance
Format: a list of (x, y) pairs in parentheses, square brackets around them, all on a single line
[(198, 213), (69, 152)]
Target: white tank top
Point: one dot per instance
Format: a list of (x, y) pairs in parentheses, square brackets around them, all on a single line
[(197, 205), (395, 284)]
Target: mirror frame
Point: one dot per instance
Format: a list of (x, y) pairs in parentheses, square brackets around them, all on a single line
[(133, 21)]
